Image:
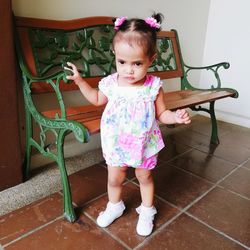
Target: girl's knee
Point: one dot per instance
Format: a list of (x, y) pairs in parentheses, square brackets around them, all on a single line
[(116, 176), (115, 181), (144, 176)]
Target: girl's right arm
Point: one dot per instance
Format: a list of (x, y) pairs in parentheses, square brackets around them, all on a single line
[(93, 95)]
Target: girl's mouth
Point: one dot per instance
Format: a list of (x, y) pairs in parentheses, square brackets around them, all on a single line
[(130, 78)]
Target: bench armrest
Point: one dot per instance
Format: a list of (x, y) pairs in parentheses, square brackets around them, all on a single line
[(59, 123), (214, 68)]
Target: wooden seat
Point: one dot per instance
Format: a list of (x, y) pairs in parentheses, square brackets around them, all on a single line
[(188, 98), (88, 115)]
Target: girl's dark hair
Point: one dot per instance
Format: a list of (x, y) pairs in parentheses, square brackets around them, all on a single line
[(137, 30)]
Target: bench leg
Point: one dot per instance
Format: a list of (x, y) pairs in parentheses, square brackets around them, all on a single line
[(214, 135), (69, 212)]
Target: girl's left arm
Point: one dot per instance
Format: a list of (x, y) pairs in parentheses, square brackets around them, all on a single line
[(167, 116)]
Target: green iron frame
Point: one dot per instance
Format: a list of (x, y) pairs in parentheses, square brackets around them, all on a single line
[(185, 84)]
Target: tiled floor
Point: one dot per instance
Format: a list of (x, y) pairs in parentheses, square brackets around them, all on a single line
[(202, 198)]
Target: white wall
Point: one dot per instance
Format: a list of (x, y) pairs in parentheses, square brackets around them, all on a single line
[(228, 39)]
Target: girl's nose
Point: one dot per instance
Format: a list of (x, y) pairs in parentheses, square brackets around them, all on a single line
[(130, 70)]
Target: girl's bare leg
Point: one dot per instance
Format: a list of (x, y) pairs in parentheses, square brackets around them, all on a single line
[(146, 210), (146, 186), (116, 176)]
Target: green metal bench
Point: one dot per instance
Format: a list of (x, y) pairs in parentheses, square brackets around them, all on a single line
[(43, 45)]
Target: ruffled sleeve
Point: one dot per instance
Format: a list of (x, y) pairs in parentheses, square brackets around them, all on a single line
[(154, 83), (106, 85)]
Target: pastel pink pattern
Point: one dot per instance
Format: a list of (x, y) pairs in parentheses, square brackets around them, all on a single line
[(127, 141), (130, 133), (119, 21), (152, 22)]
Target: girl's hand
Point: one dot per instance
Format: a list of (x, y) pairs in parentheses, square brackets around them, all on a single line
[(182, 116), (75, 74)]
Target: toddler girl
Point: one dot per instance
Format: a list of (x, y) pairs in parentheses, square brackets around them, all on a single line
[(130, 133)]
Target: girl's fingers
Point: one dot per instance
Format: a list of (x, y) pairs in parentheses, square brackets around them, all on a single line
[(181, 113), (68, 68), (70, 64), (73, 67)]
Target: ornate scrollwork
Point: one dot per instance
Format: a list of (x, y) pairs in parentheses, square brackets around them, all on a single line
[(212, 68), (89, 48), (60, 123)]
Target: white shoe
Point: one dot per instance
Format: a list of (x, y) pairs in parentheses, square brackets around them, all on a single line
[(146, 217), (111, 213)]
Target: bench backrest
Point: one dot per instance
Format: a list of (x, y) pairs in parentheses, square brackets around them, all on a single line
[(43, 45)]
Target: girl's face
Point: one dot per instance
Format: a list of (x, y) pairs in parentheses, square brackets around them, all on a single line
[(131, 63)]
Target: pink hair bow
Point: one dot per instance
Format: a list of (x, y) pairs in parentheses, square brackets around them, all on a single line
[(119, 21), (152, 22)]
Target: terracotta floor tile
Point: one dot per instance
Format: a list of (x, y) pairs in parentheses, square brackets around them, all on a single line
[(247, 164), (124, 228), (237, 135), (202, 124), (231, 152), (172, 150), (188, 234), (239, 182), (26, 219), (226, 212), (204, 165), (192, 139), (88, 183), (83, 234), (177, 186), (226, 149)]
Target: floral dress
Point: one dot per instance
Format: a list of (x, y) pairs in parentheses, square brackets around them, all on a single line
[(130, 133)]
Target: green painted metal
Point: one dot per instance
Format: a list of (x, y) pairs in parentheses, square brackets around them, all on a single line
[(185, 84), (90, 49)]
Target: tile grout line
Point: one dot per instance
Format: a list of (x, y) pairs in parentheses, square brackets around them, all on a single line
[(33, 231), (96, 198), (183, 210), (108, 232), (217, 231), (175, 157), (234, 192), (216, 184), (158, 230), (204, 194)]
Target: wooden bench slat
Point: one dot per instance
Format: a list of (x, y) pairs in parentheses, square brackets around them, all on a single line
[(88, 115), (187, 98)]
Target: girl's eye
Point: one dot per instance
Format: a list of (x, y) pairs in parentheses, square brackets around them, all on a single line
[(121, 62), (138, 63)]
